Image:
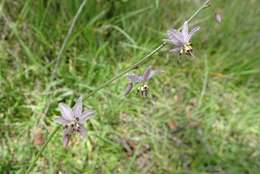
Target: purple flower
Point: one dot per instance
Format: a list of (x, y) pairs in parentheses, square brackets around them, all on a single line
[(143, 89), (73, 120), (182, 39)]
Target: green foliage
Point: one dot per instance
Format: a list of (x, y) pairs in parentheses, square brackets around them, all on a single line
[(214, 97)]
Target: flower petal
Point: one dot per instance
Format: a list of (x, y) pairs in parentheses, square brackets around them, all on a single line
[(193, 31), (175, 50), (135, 78), (83, 131), (61, 120), (185, 30), (175, 37), (152, 73), (66, 111), (66, 136), (77, 109), (147, 73), (66, 139), (128, 88), (85, 116)]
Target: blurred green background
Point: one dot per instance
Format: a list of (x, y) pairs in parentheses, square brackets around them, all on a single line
[(202, 116)]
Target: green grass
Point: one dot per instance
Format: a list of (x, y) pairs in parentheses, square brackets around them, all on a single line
[(214, 97)]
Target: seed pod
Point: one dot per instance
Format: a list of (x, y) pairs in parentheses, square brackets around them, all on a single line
[(218, 17)]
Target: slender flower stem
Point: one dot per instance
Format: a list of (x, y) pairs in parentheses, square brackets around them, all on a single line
[(53, 74), (204, 5), (141, 61), (41, 150), (205, 82)]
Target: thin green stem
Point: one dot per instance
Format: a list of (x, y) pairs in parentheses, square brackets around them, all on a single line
[(141, 61), (58, 59), (204, 5), (205, 82), (85, 163), (41, 150)]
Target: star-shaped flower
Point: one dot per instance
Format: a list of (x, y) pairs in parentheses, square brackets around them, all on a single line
[(142, 90), (73, 120), (182, 39)]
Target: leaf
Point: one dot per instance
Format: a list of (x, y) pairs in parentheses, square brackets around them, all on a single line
[(135, 78)]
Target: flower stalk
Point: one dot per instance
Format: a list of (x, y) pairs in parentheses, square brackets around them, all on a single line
[(142, 60), (42, 149), (135, 65)]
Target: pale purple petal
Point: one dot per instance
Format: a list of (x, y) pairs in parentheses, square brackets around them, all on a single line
[(185, 30), (86, 115), (193, 31), (61, 120), (147, 73), (175, 37), (176, 34), (66, 111), (66, 139), (83, 131), (135, 78), (128, 88), (175, 50), (66, 136), (152, 73), (77, 109)]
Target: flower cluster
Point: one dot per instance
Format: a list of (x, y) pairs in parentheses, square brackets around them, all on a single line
[(73, 119)]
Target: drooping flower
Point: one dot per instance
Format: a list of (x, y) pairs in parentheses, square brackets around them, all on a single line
[(218, 17), (73, 119), (182, 40), (143, 89)]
